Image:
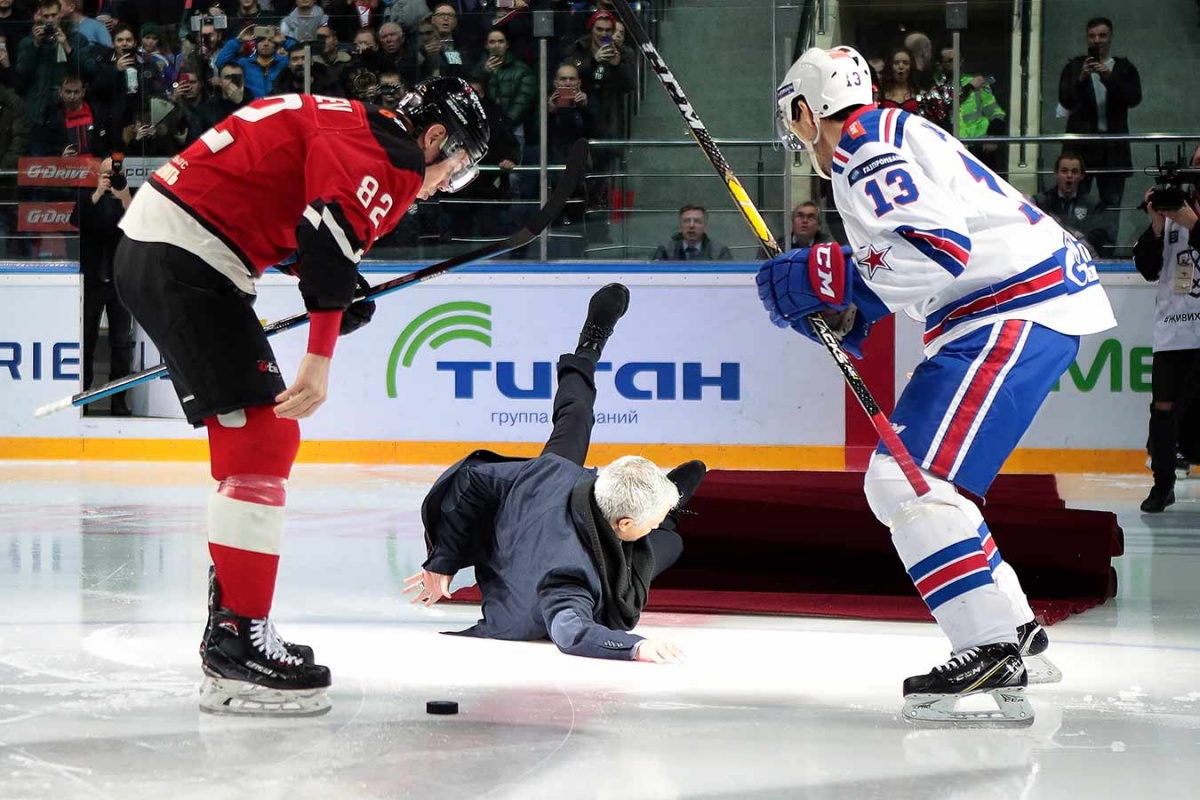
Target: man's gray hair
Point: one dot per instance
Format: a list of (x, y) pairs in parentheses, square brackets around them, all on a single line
[(636, 488)]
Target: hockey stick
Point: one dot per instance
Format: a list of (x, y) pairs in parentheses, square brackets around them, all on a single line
[(633, 27), (571, 178)]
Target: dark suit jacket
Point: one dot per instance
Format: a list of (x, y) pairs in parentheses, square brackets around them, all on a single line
[(1124, 87), (511, 519), (710, 250)]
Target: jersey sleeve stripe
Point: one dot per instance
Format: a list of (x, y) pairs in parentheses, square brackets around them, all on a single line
[(888, 126), (897, 136), (948, 249), (317, 218)]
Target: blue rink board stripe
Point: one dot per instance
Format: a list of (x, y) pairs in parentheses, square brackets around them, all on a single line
[(518, 268)]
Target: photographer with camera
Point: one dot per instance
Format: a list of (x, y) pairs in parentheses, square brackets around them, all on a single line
[(391, 89), (126, 79), (204, 39), (510, 82), (260, 69), (48, 54), (606, 71), (1169, 253), (1097, 90), (97, 217), (230, 96)]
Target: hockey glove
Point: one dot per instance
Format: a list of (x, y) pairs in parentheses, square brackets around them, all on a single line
[(805, 281), (850, 327), (360, 311)]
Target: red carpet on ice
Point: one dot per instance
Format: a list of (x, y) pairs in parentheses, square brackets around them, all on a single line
[(805, 543)]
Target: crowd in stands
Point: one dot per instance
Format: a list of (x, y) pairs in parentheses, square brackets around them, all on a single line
[(1096, 91), (97, 77)]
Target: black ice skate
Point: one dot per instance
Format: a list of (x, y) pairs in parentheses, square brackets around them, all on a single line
[(991, 672), (300, 651), (1032, 640), (604, 309), (248, 671)]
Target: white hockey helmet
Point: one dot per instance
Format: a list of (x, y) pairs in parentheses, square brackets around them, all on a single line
[(829, 81)]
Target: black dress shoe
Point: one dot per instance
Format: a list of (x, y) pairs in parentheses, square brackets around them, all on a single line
[(686, 477), (1161, 496), (604, 309)]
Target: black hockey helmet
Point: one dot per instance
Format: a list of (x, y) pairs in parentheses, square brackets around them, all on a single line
[(453, 103)]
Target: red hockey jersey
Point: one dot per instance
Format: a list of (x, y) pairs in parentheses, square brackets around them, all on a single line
[(236, 196)]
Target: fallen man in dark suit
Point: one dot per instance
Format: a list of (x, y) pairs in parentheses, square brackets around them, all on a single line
[(560, 551)]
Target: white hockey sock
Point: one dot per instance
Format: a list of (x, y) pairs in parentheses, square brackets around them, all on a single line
[(944, 557), (1006, 578)]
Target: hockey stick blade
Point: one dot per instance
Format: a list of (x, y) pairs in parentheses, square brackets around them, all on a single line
[(572, 177), (634, 29)]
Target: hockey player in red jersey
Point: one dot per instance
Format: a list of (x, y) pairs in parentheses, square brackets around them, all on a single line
[(321, 177)]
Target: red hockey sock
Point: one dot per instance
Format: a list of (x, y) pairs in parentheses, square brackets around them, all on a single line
[(252, 453)]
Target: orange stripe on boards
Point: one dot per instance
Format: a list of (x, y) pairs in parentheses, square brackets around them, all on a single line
[(770, 457), (356, 452), (1035, 460)]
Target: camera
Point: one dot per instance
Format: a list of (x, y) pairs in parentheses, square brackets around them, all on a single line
[(389, 89), (1169, 193), (118, 178), (49, 29), (198, 21)]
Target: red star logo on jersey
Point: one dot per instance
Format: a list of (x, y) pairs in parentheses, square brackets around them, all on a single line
[(876, 260)]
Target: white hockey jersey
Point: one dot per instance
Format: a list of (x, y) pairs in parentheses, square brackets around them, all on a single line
[(939, 235), (1177, 307)]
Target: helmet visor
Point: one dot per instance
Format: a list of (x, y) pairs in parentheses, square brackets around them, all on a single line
[(461, 177), (783, 130)]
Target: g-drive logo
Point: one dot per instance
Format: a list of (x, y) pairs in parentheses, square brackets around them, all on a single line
[(471, 321)]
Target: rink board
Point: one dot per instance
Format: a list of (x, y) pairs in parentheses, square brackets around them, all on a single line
[(693, 369)]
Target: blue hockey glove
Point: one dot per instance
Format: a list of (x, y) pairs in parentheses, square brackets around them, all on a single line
[(850, 327), (805, 281)]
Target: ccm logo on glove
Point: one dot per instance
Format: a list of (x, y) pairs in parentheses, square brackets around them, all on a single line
[(827, 272)]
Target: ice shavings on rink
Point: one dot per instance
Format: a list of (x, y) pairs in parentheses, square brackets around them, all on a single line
[(102, 581)]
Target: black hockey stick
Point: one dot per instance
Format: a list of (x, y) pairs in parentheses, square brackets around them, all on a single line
[(633, 27), (572, 176)]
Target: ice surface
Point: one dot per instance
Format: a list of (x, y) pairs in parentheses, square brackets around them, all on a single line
[(102, 594)]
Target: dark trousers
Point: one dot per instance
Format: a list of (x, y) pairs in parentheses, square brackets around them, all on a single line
[(574, 416), (98, 297), (1175, 379)]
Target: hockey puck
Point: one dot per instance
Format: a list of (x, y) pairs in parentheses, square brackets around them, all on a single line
[(441, 707)]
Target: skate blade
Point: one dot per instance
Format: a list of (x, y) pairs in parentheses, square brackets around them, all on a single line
[(239, 698), (994, 708), (1041, 670)]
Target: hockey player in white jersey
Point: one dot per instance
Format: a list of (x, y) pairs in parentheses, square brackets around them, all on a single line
[(1004, 294)]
